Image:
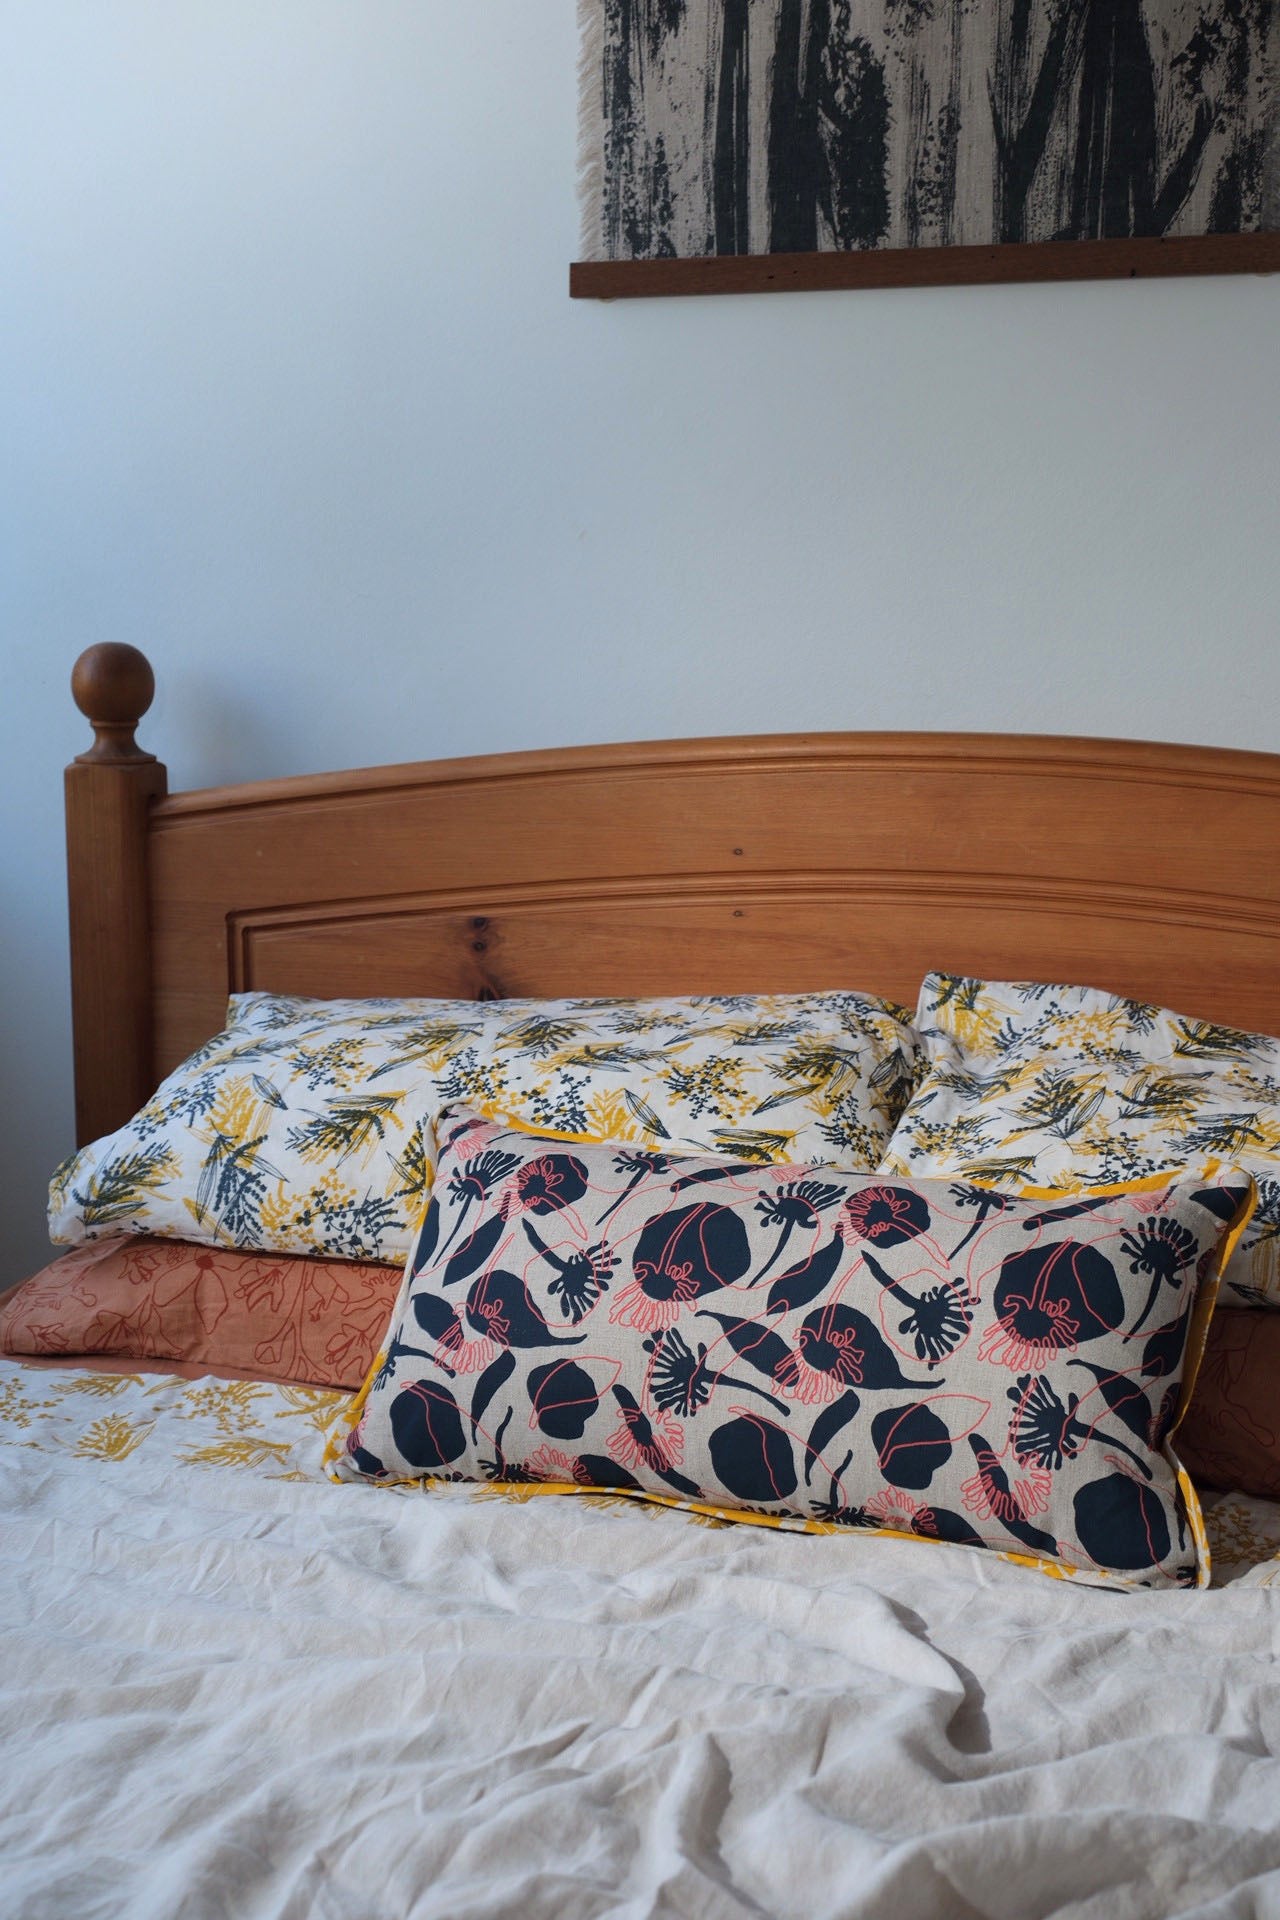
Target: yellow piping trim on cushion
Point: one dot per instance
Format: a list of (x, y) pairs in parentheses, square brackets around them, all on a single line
[(1197, 1338), (1056, 1569), (490, 1110), (1195, 1518), (1149, 1183), (335, 1438), (493, 1111), (342, 1424), (521, 1490), (334, 1444), (1202, 1315)]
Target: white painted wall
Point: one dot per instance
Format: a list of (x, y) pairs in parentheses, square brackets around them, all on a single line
[(293, 397)]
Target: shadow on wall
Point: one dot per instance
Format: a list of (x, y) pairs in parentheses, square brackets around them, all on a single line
[(37, 1128), (226, 735)]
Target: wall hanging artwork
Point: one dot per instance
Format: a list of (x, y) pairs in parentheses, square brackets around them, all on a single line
[(753, 145)]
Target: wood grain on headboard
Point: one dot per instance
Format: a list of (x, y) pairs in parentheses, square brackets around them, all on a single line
[(699, 866)]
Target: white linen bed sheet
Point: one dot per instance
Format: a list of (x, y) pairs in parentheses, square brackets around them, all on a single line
[(232, 1688)]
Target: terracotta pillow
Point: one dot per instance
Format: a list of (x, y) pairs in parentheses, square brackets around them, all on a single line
[(276, 1316), (1231, 1435)]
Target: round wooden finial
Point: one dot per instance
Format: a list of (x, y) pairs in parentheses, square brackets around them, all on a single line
[(113, 686)]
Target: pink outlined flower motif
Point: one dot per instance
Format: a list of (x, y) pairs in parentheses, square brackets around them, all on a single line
[(1047, 1300), (681, 1254), (886, 1216), (635, 1307), (470, 1185), (1044, 1429), (891, 1507), (824, 1362), (551, 1463), (987, 1501), (581, 1278), (490, 1311), (1026, 1493), (638, 1164), (462, 1129), (642, 1440), (453, 1349), (1160, 1247), (795, 1378), (1031, 1486), (479, 1175), (548, 1184), (1003, 1345), (794, 1203)]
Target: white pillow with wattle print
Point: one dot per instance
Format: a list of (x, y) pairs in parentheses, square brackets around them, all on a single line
[(1061, 1087), (306, 1126)]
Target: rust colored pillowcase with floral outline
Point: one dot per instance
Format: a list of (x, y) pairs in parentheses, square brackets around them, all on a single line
[(275, 1316), (1231, 1435)]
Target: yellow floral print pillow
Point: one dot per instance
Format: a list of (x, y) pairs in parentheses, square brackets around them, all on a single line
[(796, 1077), (298, 1129), (1061, 1087), (306, 1126)]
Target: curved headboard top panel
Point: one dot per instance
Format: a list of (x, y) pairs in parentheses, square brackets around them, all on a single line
[(708, 866), (1141, 760), (712, 866)]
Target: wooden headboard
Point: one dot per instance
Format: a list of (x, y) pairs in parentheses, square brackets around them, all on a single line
[(788, 861)]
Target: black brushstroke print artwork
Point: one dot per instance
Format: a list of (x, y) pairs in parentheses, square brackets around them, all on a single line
[(800, 126)]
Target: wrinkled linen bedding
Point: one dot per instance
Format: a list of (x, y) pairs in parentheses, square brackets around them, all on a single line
[(231, 1688)]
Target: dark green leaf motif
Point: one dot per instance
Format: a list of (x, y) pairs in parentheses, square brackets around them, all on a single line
[(805, 1281), (346, 1126), (827, 1425), (494, 1377)]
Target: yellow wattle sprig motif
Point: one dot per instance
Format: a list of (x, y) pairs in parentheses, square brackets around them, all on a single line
[(305, 1127), (1068, 1086)]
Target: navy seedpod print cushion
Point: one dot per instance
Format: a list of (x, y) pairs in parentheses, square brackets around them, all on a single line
[(807, 1348)]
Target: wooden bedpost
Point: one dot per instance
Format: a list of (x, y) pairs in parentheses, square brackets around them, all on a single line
[(109, 791)]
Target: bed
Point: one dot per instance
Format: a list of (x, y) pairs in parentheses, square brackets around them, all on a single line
[(231, 1687)]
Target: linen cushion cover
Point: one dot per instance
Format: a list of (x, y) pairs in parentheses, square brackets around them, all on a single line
[(272, 1316), (1064, 1086), (304, 1127), (805, 1346)]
